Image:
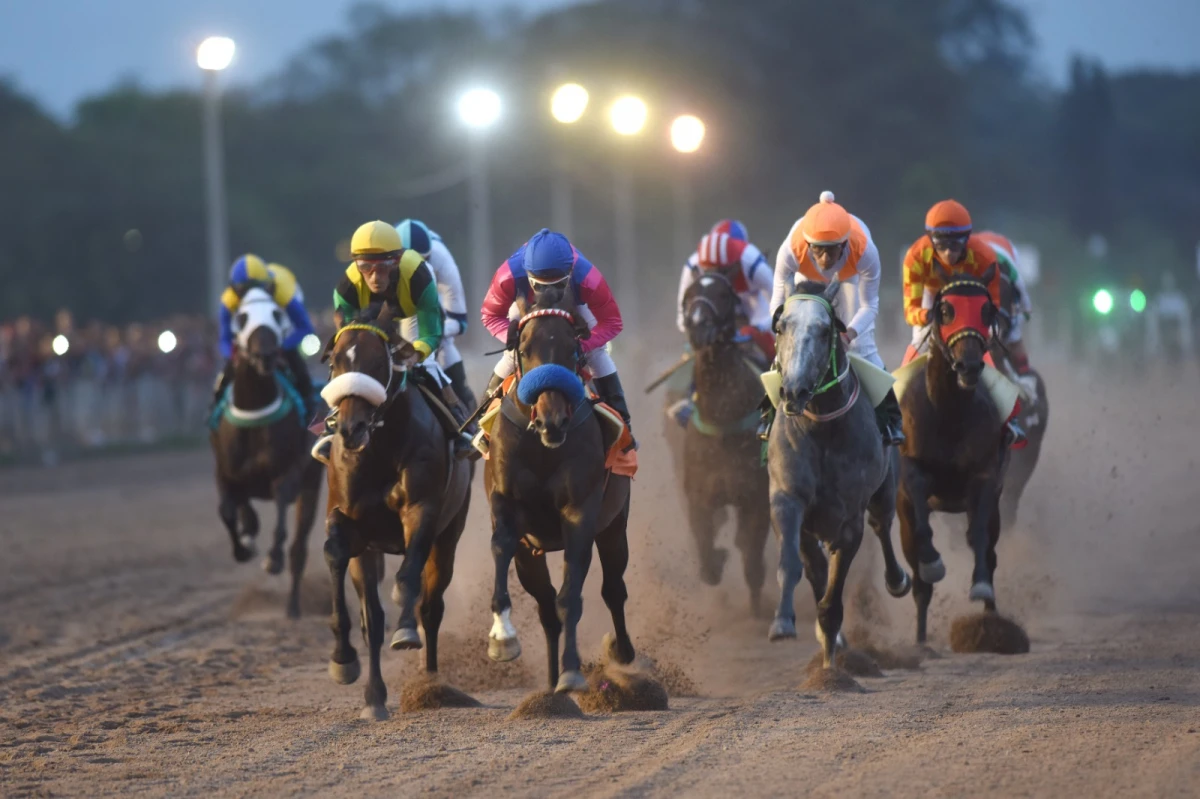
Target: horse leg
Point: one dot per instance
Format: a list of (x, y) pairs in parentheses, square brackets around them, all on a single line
[(830, 609), (881, 510), (578, 537), (439, 571), (922, 591), (984, 506), (612, 545), (365, 571), (420, 525), (928, 565), (994, 526), (503, 644), (243, 547), (273, 562), (534, 575), (343, 663), (753, 526), (787, 514), (817, 566), (306, 514), (704, 530)]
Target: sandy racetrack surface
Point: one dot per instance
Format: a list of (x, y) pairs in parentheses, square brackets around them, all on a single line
[(136, 657)]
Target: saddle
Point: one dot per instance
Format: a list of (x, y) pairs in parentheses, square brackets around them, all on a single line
[(617, 437), (1004, 393), (287, 400)]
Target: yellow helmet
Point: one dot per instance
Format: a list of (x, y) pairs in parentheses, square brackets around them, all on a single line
[(375, 238), (249, 269)]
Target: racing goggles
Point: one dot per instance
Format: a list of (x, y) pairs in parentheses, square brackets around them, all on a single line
[(368, 264), (542, 282), (946, 240)]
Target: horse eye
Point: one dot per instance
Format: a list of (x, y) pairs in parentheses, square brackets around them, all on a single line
[(946, 313)]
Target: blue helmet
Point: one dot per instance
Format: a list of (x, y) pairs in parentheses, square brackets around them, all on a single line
[(415, 236), (248, 269), (549, 256)]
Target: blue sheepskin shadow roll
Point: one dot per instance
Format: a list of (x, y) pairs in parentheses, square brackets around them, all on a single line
[(550, 377)]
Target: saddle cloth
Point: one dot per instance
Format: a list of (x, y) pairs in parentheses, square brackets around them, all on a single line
[(876, 382), (1003, 392)]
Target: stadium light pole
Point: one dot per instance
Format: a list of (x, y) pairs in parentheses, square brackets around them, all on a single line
[(687, 134), (479, 110), (212, 56), (628, 117), (567, 106)]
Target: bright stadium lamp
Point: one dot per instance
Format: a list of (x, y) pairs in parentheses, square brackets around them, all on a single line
[(568, 103), (479, 108), (1137, 300), (1102, 301), (215, 53), (166, 342), (310, 345), (628, 115), (687, 133), (60, 345)]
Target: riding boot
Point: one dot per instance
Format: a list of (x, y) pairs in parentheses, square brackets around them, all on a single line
[(890, 420), (302, 380), (767, 419), (457, 373), (463, 442), (223, 381), (611, 394)]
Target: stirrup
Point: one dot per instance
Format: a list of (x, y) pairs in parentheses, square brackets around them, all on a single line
[(481, 443), (322, 449), (893, 436), (1014, 435), (681, 411)]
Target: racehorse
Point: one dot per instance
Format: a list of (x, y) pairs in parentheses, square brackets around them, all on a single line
[(955, 454), (549, 490), (261, 444), (722, 454), (828, 466), (1033, 416), (394, 487)]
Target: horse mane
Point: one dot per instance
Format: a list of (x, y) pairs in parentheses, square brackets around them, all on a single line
[(819, 289)]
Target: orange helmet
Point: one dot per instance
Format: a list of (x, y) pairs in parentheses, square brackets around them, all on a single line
[(948, 216), (998, 242), (826, 222)]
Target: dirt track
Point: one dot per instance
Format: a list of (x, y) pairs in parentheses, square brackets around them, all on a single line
[(136, 657)]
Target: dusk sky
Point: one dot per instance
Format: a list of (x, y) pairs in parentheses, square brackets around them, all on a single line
[(61, 50)]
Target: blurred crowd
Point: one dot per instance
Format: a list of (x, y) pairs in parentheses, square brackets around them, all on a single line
[(66, 387)]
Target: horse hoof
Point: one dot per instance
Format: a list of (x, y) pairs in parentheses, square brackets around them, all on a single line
[(345, 673), (781, 629), (396, 594), (406, 638), (902, 589), (932, 572), (571, 682), (711, 573), (242, 553), (983, 592), (273, 564), (293, 610), (504, 650), (374, 713)]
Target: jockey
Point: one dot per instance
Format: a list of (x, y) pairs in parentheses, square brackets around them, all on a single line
[(249, 272), (726, 251), (415, 235), (948, 242), (726, 248), (549, 259), (1018, 356), (383, 271), (829, 242)]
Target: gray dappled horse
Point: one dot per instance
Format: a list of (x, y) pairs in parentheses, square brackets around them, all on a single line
[(827, 466), (261, 445)]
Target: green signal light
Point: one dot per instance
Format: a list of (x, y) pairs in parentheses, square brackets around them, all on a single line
[(1102, 301), (1137, 301)]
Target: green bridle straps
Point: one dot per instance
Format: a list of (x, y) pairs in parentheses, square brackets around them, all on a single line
[(832, 347)]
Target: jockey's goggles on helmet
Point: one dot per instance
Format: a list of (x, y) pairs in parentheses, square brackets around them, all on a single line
[(374, 263), (949, 239), (834, 250), (547, 279)]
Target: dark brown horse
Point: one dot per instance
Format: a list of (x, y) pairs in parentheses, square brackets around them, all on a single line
[(261, 446), (549, 491), (955, 454), (395, 488), (1033, 417), (722, 455)]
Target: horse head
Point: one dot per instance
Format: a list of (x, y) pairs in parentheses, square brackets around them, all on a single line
[(364, 356), (260, 326), (548, 362), (807, 343), (710, 310), (962, 321)]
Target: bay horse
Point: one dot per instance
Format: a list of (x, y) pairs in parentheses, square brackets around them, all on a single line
[(395, 488), (955, 455), (1033, 417), (828, 466), (549, 491), (261, 445), (722, 455)]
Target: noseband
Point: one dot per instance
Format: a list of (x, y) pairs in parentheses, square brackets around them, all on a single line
[(832, 369), (347, 387)]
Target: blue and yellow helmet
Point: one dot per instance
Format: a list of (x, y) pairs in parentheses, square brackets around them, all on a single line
[(249, 269)]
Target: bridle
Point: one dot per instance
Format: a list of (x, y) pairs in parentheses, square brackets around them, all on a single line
[(542, 313), (836, 378), (946, 345), (724, 323), (377, 415)]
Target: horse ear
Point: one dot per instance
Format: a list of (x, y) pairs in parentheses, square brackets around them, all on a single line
[(325, 353), (522, 303), (989, 275), (582, 330), (831, 291), (405, 354)]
